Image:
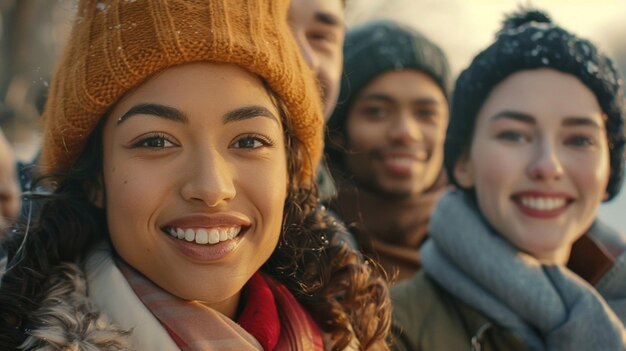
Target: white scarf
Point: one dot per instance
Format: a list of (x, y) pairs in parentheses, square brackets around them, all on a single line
[(112, 293)]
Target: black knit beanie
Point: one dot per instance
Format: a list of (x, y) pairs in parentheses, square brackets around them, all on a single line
[(378, 47), (530, 40)]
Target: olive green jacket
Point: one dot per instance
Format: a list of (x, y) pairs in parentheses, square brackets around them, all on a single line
[(432, 319)]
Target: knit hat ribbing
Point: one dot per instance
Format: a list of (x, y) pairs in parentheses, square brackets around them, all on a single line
[(116, 45), (381, 46), (530, 40)]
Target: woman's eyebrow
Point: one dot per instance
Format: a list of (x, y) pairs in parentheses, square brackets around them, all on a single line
[(514, 115), (248, 112), (156, 110), (570, 121), (176, 115), (581, 121)]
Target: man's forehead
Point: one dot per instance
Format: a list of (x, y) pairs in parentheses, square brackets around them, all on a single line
[(324, 10)]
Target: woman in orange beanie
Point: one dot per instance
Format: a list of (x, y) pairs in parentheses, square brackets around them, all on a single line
[(179, 143)]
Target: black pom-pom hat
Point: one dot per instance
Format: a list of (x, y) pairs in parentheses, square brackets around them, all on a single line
[(529, 40)]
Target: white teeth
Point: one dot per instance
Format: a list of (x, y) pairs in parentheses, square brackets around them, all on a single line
[(204, 236), (233, 232), (190, 234), (543, 203), (214, 236), (223, 234), (400, 161)]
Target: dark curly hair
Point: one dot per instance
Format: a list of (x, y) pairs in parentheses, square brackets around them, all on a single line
[(344, 293)]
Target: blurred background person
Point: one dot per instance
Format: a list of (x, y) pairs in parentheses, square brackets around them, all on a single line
[(9, 186), (385, 140), (319, 29)]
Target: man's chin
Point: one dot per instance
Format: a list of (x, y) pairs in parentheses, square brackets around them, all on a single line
[(394, 192), (398, 194)]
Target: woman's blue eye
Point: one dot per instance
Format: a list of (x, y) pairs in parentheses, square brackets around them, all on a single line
[(512, 136), (580, 141), (155, 141)]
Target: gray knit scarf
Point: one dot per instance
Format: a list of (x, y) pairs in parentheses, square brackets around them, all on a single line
[(548, 306)]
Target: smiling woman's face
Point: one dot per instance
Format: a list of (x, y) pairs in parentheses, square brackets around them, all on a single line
[(195, 176), (539, 161)]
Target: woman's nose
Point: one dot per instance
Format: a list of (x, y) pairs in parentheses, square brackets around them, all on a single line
[(546, 165), (209, 179)]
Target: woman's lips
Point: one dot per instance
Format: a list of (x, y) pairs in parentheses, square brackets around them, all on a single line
[(206, 237), (206, 252), (542, 205), (210, 220)]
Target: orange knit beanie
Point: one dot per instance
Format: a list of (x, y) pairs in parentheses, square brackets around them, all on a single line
[(116, 45)]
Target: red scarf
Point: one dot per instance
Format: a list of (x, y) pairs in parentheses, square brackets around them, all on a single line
[(275, 318)]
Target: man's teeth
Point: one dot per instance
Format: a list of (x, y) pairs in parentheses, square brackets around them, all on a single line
[(204, 236), (400, 161), (543, 203)]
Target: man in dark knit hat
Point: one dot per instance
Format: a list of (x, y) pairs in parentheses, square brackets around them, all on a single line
[(385, 140)]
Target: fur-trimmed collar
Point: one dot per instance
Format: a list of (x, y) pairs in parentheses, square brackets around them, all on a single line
[(69, 320)]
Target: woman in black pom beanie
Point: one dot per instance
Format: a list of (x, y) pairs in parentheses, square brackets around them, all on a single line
[(516, 259), (530, 40)]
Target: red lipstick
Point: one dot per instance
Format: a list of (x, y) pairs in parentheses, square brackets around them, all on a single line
[(542, 204)]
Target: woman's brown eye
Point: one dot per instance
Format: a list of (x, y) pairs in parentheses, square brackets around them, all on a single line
[(155, 141), (248, 143), (251, 142)]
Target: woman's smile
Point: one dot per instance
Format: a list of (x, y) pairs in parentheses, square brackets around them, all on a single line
[(206, 237), (194, 243), (542, 205)]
